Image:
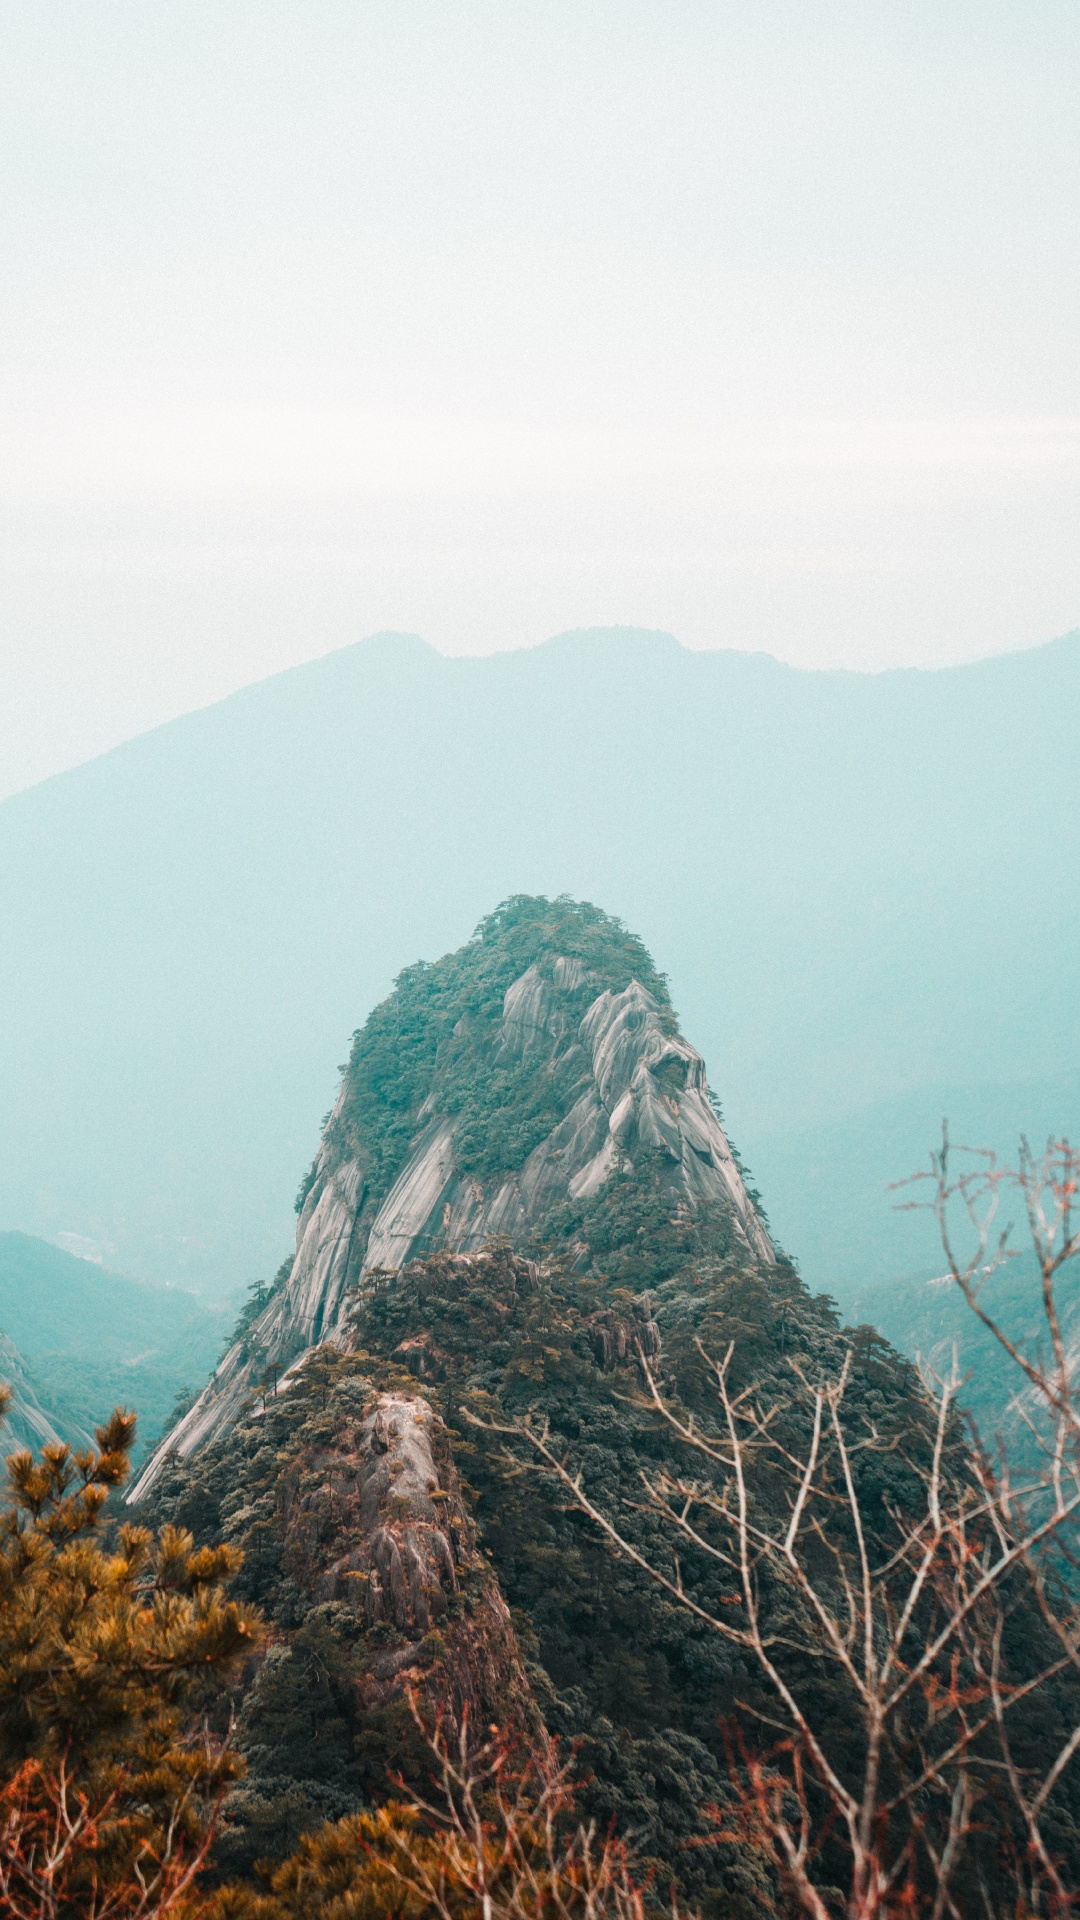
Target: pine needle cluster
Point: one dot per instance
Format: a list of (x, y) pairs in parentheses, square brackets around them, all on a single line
[(106, 1637)]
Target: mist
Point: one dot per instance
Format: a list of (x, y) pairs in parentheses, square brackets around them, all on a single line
[(754, 325)]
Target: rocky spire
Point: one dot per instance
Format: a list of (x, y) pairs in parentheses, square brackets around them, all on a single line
[(585, 1051)]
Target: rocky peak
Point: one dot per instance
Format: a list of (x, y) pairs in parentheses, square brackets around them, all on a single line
[(497, 1093)]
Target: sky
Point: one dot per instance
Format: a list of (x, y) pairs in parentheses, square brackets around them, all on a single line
[(754, 323)]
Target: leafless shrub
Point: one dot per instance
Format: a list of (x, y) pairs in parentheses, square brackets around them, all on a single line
[(495, 1838), (885, 1625), (1037, 1511), (505, 1838), (55, 1845)]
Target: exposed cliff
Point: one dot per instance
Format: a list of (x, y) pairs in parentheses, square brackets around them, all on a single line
[(503, 1091)]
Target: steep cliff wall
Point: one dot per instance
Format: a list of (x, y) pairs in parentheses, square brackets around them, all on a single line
[(497, 1093)]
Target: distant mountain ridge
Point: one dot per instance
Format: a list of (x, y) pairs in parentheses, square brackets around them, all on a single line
[(862, 883)]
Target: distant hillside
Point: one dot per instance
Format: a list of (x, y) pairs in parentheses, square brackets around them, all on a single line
[(865, 885), (88, 1339), (831, 1188), (925, 1316), (27, 1423)]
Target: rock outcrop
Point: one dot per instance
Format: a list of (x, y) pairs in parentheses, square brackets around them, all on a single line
[(601, 1059), (523, 1207), (375, 1519), (360, 1549)]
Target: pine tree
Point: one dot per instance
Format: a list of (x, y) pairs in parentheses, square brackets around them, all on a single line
[(109, 1803)]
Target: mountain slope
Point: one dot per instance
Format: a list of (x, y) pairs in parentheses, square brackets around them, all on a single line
[(533, 1087), (861, 883), (27, 1423), (833, 1188), (504, 1091), (926, 1316), (534, 1081), (94, 1339)]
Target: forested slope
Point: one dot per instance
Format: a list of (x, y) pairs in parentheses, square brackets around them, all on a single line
[(377, 1579), (92, 1339)]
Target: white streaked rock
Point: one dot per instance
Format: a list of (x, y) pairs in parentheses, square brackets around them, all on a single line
[(309, 1303), (413, 1198), (26, 1423), (590, 1178), (529, 1019), (568, 975), (634, 1087)]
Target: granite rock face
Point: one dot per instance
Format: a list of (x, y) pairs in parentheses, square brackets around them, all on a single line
[(632, 1089), (359, 1546)]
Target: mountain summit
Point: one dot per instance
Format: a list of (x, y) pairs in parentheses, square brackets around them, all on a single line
[(532, 1084)]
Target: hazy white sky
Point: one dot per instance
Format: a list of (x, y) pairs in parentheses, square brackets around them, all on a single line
[(757, 322)]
